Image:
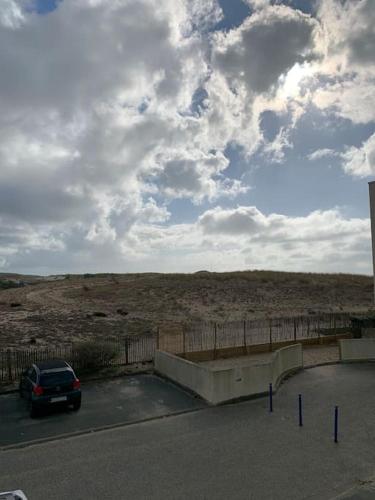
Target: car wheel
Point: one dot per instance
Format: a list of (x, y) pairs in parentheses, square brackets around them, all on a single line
[(77, 405)]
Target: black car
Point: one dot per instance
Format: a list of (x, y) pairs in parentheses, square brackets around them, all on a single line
[(48, 383)]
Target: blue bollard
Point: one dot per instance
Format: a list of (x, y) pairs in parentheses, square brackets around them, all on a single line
[(336, 422), (300, 409), (270, 393)]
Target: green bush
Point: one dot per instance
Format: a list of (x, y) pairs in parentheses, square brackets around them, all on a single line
[(93, 354), (4, 284)]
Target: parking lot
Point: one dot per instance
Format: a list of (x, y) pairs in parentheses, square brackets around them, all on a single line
[(237, 451), (105, 403)]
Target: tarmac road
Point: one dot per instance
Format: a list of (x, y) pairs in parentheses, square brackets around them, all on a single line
[(238, 451), (111, 402)]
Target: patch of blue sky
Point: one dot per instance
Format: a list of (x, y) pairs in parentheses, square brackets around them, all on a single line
[(235, 11), (45, 6), (184, 211), (298, 186), (306, 6)]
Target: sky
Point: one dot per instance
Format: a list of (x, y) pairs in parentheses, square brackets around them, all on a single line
[(186, 135)]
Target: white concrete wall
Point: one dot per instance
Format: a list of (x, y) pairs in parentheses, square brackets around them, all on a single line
[(368, 333), (186, 373), (357, 349), (255, 378), (219, 385)]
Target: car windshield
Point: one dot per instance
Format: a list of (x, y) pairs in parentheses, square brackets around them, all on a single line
[(54, 378)]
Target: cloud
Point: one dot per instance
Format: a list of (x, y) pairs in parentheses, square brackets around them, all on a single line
[(112, 109), (360, 162), (322, 153), (244, 237), (11, 15), (345, 80), (235, 221), (197, 177), (264, 47)]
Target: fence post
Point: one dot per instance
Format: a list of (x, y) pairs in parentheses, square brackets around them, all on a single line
[(300, 409), (270, 399), (295, 329), (270, 334), (126, 350), (320, 339), (183, 340), (336, 424), (157, 338), (308, 327), (244, 336), (9, 364), (215, 335), (334, 327)]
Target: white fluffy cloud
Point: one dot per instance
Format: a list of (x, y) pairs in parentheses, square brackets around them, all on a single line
[(345, 80), (112, 109), (322, 153), (320, 241), (360, 162)]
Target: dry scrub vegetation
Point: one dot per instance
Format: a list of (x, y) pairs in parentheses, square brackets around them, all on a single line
[(104, 306)]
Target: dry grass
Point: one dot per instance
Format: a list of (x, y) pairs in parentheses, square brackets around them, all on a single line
[(62, 311)]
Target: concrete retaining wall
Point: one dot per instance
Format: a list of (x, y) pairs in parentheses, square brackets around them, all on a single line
[(357, 349), (186, 373), (219, 385)]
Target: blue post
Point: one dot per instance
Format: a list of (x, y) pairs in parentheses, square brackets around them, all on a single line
[(300, 409), (271, 406), (336, 422)]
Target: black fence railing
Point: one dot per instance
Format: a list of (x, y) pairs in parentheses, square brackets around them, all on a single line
[(127, 350), (193, 337), (211, 336)]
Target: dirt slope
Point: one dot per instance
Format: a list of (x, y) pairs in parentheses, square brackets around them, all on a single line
[(59, 311)]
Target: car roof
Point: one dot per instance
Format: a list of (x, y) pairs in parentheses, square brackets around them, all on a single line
[(52, 364)]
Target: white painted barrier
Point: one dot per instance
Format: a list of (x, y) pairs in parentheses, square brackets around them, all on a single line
[(186, 373), (357, 349), (217, 385)]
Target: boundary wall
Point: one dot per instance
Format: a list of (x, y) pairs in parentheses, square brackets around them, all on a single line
[(357, 349), (218, 385)]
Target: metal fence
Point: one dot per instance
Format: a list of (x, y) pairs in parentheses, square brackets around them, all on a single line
[(193, 337), (129, 350), (210, 336)]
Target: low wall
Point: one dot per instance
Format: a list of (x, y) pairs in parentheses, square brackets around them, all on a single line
[(368, 333), (219, 385), (186, 373), (357, 349)]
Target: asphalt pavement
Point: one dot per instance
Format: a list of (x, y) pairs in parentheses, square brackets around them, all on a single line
[(237, 451), (105, 403)]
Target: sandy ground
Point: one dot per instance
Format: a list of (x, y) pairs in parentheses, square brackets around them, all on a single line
[(53, 313)]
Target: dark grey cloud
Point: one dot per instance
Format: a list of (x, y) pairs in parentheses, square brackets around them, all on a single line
[(265, 46)]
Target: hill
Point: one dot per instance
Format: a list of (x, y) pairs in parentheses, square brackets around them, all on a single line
[(62, 309)]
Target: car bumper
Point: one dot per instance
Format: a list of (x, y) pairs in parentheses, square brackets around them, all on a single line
[(69, 398)]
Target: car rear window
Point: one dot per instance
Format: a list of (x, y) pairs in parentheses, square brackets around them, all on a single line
[(53, 378)]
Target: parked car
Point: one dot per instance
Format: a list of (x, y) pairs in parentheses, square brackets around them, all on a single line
[(13, 495), (48, 383)]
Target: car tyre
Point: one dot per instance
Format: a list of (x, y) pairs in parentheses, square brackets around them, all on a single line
[(77, 405)]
